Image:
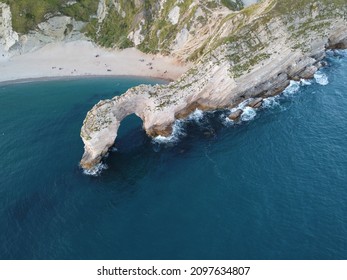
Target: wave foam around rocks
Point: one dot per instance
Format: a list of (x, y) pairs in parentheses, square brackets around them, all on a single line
[(321, 78), (96, 170)]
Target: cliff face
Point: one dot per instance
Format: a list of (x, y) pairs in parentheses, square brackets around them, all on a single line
[(251, 53), (8, 37), (174, 27), (169, 27)]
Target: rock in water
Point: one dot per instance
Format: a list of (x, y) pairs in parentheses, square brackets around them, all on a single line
[(234, 116), (256, 103)]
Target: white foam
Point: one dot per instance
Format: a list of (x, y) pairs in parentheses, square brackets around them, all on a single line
[(270, 102), (114, 149), (321, 78), (177, 132), (304, 82), (196, 116), (178, 129), (293, 88), (96, 170), (242, 105), (248, 114), (226, 121)]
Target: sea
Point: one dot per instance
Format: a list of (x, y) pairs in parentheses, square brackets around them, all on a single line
[(272, 185)]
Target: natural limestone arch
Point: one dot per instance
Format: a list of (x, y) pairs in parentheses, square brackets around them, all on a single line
[(104, 121), (100, 127)]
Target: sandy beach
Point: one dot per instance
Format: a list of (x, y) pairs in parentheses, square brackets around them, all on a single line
[(83, 58)]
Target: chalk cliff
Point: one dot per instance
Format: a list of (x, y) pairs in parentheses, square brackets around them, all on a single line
[(169, 27), (250, 54), (8, 37)]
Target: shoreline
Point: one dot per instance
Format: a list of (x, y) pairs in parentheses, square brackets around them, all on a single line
[(83, 59), (81, 77)]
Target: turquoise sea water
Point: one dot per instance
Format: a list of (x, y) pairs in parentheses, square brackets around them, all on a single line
[(271, 187)]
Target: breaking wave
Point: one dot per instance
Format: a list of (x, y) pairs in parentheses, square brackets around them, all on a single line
[(225, 120), (271, 102), (248, 114), (304, 82), (178, 131), (201, 118), (293, 88), (321, 78), (196, 116), (96, 170)]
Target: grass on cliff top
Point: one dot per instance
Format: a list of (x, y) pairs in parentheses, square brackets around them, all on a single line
[(27, 14), (290, 6)]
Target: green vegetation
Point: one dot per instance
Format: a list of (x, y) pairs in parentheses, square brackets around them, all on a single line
[(82, 10), (247, 65), (233, 5), (289, 7), (113, 30), (159, 33), (198, 53), (27, 14), (211, 4)]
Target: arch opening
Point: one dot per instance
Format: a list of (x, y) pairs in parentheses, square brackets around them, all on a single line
[(130, 134)]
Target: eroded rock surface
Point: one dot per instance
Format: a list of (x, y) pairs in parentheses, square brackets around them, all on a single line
[(8, 37), (250, 54)]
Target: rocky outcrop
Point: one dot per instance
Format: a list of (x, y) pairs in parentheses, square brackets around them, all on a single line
[(54, 29), (255, 54), (234, 116), (255, 103), (8, 37)]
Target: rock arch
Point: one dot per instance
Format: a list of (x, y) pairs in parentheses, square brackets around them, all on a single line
[(100, 127)]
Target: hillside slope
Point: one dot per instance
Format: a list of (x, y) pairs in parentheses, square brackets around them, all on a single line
[(169, 27)]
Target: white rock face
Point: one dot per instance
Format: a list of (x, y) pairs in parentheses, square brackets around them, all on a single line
[(181, 38), (55, 27), (70, 3), (118, 7), (174, 15), (135, 36), (8, 37), (102, 11)]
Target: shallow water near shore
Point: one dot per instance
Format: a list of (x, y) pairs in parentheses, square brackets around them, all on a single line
[(273, 186)]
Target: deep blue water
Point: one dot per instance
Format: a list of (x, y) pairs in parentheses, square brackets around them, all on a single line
[(274, 187)]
